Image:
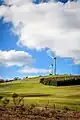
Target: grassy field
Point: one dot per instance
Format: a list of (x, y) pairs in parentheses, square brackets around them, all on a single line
[(37, 93)]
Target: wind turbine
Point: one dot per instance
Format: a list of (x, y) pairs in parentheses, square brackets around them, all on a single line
[(50, 53), (55, 65), (51, 66)]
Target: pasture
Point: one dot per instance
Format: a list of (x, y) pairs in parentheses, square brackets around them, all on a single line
[(39, 94)]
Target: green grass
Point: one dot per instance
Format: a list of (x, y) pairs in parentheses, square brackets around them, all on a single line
[(65, 95)]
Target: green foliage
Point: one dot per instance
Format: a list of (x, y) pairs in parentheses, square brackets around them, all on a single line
[(15, 95), (53, 83), (17, 100), (1, 97), (21, 101), (41, 80), (50, 74), (66, 108), (69, 82), (32, 106), (1, 81), (26, 77), (61, 80), (16, 78), (40, 76), (5, 101)]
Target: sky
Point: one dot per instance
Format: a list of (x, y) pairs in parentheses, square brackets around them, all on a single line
[(32, 33)]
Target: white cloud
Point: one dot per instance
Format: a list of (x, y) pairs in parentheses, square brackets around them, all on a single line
[(50, 25), (32, 70), (18, 58), (31, 76), (3, 10)]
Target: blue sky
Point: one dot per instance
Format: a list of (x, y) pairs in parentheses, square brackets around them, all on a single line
[(23, 52)]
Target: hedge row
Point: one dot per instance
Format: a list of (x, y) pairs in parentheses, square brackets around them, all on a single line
[(59, 81)]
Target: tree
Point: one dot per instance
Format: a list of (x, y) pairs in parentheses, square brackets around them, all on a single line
[(16, 78)]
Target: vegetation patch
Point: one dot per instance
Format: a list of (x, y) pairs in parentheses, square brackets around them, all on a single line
[(35, 93), (32, 112), (61, 80)]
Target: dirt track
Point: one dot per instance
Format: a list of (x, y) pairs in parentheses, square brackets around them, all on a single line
[(37, 114)]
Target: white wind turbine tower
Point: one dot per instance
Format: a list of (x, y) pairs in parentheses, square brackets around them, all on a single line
[(50, 53)]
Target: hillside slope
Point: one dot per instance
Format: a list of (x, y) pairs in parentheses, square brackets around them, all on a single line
[(34, 92)]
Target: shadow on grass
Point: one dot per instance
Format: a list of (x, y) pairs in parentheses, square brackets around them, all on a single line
[(77, 96), (35, 95), (8, 94), (68, 103)]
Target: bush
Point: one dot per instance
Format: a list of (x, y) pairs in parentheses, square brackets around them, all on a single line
[(61, 80), (50, 74), (26, 77), (17, 100), (16, 78), (1, 81), (15, 95), (5, 102), (1, 97), (40, 76), (41, 80), (32, 106), (68, 82)]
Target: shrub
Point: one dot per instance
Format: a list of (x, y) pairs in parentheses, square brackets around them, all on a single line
[(68, 82), (40, 76), (17, 100), (21, 101), (50, 74), (1, 97), (66, 108), (41, 80), (61, 80), (1, 81), (15, 95), (32, 106), (16, 78), (5, 102), (26, 77)]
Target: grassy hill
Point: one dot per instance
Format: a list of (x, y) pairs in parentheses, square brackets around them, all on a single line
[(37, 93)]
